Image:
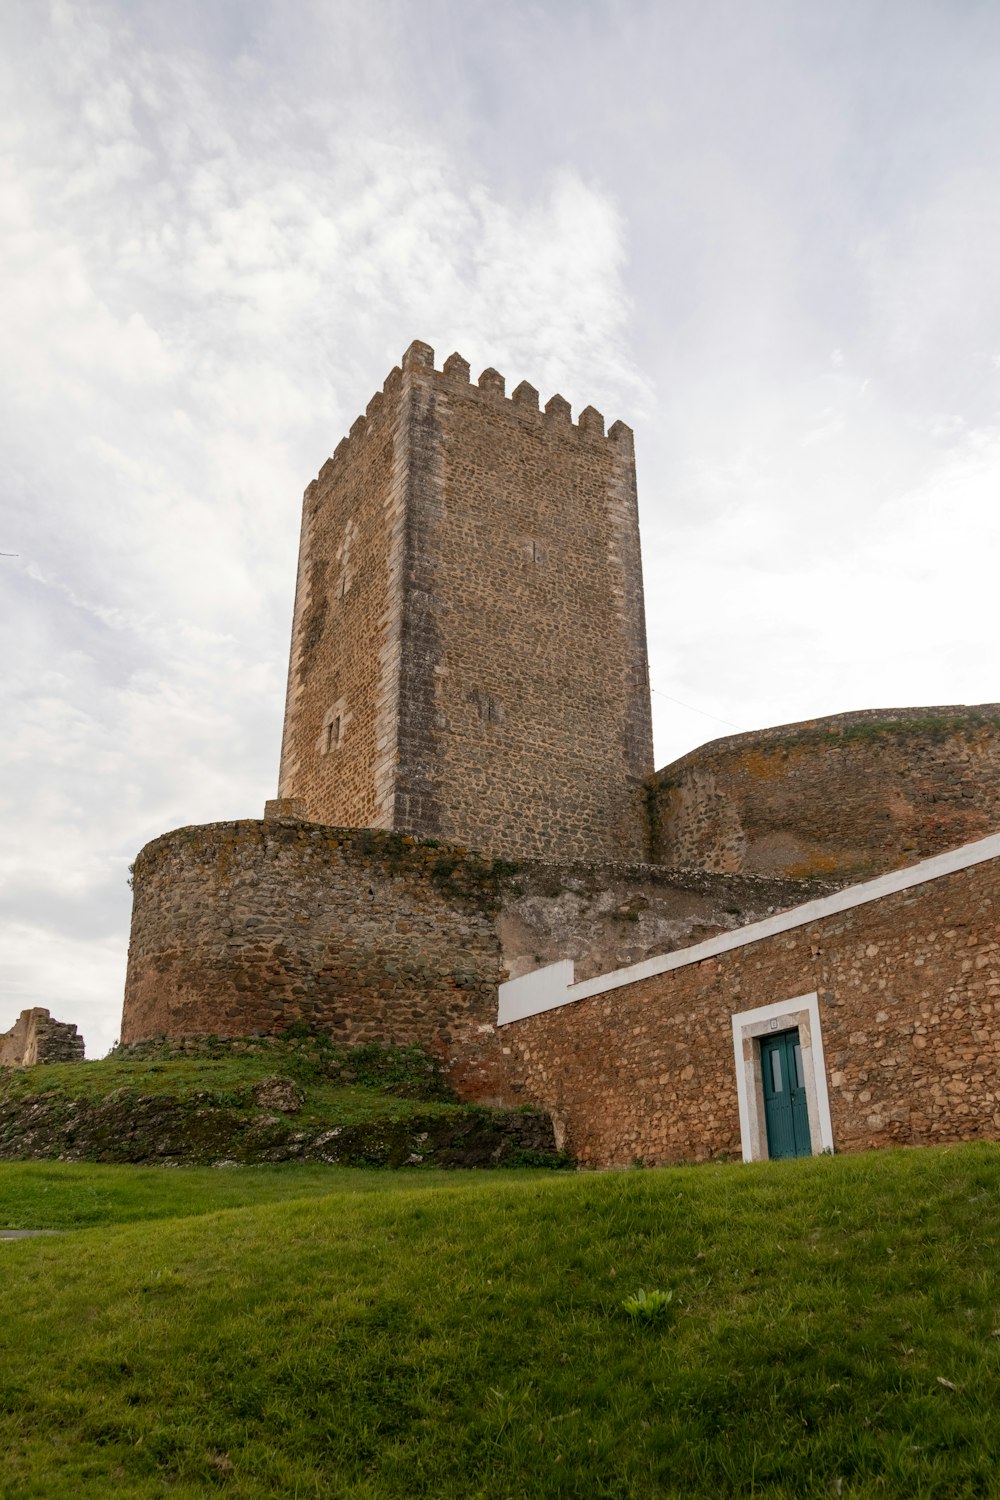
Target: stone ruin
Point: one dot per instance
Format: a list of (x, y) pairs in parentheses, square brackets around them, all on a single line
[(36, 1038)]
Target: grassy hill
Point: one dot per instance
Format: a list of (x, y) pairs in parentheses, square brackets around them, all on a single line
[(297, 1097), (307, 1331)]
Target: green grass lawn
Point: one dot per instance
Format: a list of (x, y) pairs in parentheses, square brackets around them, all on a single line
[(58, 1195), (228, 1080), (833, 1331)]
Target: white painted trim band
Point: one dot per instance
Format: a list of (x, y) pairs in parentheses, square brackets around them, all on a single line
[(553, 986)]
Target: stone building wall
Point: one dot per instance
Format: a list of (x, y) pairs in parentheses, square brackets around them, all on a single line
[(844, 797), (36, 1038), (248, 927), (469, 653), (908, 990)]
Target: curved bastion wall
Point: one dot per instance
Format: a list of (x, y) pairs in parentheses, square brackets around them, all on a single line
[(248, 927), (843, 798)]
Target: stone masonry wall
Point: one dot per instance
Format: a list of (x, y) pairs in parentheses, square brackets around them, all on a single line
[(527, 715), (845, 797), (339, 744), (469, 653), (246, 927), (909, 1002), (36, 1038), (606, 916)]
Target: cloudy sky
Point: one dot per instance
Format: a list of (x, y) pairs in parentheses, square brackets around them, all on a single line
[(766, 233)]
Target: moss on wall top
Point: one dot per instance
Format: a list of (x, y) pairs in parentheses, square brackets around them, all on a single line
[(457, 873), (868, 724)]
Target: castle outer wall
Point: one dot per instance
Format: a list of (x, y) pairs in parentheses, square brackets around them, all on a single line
[(844, 797), (468, 649), (249, 927), (897, 1003)]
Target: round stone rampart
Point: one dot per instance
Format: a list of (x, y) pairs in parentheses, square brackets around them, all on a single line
[(248, 927), (842, 798)]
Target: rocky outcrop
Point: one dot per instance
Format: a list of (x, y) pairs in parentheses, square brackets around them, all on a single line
[(164, 1131)]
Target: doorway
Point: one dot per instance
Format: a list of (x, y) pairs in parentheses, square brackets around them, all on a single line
[(751, 1029), (786, 1107)]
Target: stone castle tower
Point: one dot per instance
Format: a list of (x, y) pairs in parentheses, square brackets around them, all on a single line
[(468, 649)]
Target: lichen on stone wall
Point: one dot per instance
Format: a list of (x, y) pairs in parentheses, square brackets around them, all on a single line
[(458, 873)]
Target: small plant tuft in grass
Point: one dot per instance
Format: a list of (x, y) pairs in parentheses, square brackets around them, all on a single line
[(647, 1307)]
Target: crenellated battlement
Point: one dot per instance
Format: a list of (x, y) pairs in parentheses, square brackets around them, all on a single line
[(456, 374)]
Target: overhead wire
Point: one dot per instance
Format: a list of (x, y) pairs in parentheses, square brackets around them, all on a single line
[(704, 712)]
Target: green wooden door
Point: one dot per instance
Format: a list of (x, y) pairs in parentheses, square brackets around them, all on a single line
[(786, 1114)]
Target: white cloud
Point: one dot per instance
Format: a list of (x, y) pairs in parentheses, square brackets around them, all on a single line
[(203, 289), (771, 245)]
